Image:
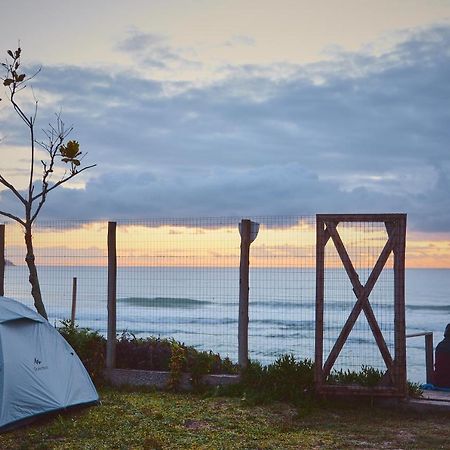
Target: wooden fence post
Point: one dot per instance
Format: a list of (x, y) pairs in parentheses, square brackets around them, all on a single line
[(2, 260), (320, 293), (243, 293), (400, 374), (429, 357), (74, 300), (112, 279)]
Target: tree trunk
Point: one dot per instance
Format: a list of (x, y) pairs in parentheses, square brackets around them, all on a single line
[(33, 278)]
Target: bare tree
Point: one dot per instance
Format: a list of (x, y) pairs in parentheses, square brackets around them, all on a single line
[(56, 147)]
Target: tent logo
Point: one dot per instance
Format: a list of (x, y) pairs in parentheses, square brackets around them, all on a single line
[(37, 365)]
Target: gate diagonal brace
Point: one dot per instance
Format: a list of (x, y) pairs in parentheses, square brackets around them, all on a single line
[(362, 294)]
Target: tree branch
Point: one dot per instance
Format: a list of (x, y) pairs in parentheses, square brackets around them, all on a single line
[(43, 195), (12, 188), (12, 216), (62, 181)]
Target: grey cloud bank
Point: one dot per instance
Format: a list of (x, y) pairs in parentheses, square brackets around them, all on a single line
[(360, 134)]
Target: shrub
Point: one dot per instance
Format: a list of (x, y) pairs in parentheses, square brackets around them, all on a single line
[(155, 354), (286, 379), (145, 354), (169, 355), (89, 345), (367, 376), (414, 389)]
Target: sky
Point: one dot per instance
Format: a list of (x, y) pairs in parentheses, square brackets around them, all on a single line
[(240, 108)]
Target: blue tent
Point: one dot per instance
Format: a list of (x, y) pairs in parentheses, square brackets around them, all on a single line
[(39, 370)]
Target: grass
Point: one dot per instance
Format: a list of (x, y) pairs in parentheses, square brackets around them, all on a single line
[(161, 420)]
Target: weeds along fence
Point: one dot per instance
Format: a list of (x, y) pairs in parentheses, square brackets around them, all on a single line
[(180, 279)]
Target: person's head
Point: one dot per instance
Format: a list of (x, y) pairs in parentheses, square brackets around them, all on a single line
[(447, 331)]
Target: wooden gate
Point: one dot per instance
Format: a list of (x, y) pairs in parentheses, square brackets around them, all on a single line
[(393, 382)]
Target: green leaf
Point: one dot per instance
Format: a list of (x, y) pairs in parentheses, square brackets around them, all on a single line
[(71, 150), (10, 53)]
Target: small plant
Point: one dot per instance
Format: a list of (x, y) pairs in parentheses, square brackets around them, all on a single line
[(198, 365), (290, 379), (177, 362), (414, 389)]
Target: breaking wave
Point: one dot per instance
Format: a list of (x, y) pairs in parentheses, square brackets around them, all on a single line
[(428, 307), (163, 302)]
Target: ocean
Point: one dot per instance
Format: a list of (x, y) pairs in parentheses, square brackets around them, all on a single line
[(199, 306)]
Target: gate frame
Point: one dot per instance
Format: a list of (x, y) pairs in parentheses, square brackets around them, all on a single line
[(394, 382)]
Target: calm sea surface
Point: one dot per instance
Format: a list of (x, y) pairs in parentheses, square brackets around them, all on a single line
[(199, 306)]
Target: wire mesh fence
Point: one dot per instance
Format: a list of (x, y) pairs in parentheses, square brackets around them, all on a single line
[(179, 278), (282, 288), (364, 242), (63, 250)]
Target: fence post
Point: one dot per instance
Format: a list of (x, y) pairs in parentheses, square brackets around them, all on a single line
[(112, 278), (74, 300), (429, 356), (2, 260), (243, 293)]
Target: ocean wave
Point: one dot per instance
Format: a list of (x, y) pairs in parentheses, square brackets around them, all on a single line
[(329, 305), (428, 307), (163, 302)]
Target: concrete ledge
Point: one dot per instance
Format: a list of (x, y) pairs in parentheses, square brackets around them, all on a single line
[(159, 380), (421, 405), (424, 405)]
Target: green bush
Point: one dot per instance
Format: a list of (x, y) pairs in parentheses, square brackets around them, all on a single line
[(367, 376), (155, 354), (286, 380), (290, 380), (89, 345), (144, 353)]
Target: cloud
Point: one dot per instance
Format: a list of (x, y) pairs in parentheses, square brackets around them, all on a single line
[(155, 51), (240, 40), (267, 190), (363, 133)]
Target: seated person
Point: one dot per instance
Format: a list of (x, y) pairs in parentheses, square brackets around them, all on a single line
[(442, 361)]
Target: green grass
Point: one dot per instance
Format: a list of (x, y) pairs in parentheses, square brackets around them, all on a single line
[(160, 420)]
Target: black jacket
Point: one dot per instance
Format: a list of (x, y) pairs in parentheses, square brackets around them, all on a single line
[(442, 361)]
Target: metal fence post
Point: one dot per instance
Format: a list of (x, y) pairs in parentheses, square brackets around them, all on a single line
[(112, 280), (2, 260)]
